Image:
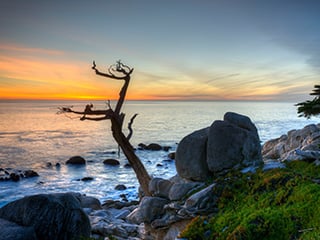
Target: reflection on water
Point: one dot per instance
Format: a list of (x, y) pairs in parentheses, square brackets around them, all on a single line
[(32, 134)]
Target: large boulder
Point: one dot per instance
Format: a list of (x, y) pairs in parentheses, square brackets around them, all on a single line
[(160, 187), (191, 156), (202, 202), (13, 231), (233, 142), (151, 208), (52, 216)]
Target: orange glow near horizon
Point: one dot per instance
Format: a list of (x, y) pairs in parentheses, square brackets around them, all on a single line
[(34, 74), (47, 53), (41, 74)]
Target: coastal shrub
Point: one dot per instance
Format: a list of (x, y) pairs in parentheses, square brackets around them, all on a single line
[(276, 204)]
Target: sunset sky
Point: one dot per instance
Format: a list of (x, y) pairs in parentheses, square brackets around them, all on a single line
[(179, 49)]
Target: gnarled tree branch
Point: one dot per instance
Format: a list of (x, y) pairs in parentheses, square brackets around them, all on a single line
[(118, 71), (130, 126)]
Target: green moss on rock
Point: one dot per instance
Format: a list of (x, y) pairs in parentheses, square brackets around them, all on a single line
[(276, 204)]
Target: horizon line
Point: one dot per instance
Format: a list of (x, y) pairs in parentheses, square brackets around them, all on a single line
[(150, 99)]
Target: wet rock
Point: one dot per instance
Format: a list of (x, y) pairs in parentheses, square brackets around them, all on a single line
[(9, 174), (111, 162), (142, 146), (14, 177), (179, 190), (294, 145), (308, 155), (151, 146), (88, 201), (76, 160), (160, 187), (172, 155), (202, 202), (124, 197), (13, 231), (127, 165), (118, 204), (233, 142), (135, 217), (53, 216), (106, 224), (86, 179), (30, 173), (113, 221), (191, 156), (166, 148), (120, 187), (154, 147), (151, 208)]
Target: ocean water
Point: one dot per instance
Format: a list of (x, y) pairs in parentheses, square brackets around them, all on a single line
[(33, 135)]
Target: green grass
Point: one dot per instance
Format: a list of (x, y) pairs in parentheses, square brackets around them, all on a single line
[(276, 204)]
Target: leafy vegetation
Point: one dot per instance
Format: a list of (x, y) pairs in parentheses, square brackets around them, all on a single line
[(276, 204), (310, 108)]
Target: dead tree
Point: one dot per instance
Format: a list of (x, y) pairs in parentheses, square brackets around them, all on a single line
[(122, 72)]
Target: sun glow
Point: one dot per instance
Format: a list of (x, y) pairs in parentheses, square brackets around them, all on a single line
[(31, 73)]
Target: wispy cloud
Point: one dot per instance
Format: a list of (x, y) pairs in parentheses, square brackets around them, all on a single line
[(40, 76), (20, 49), (222, 77)]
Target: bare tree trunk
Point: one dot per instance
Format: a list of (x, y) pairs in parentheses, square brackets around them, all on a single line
[(118, 72), (139, 169)]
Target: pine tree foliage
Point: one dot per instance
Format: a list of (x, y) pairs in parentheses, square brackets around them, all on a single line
[(310, 108)]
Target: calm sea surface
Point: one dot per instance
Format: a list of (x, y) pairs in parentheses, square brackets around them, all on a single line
[(32, 135)]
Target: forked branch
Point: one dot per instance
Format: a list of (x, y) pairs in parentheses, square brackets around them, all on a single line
[(118, 71)]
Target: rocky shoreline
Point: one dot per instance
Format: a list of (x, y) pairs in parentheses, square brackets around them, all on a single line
[(9, 174), (202, 157)]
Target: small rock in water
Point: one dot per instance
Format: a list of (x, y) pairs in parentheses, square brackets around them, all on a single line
[(127, 165), (110, 152), (120, 187), (85, 179), (151, 146), (30, 173), (154, 147), (172, 155), (142, 146), (124, 198), (166, 148), (76, 160), (112, 162), (14, 177)]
